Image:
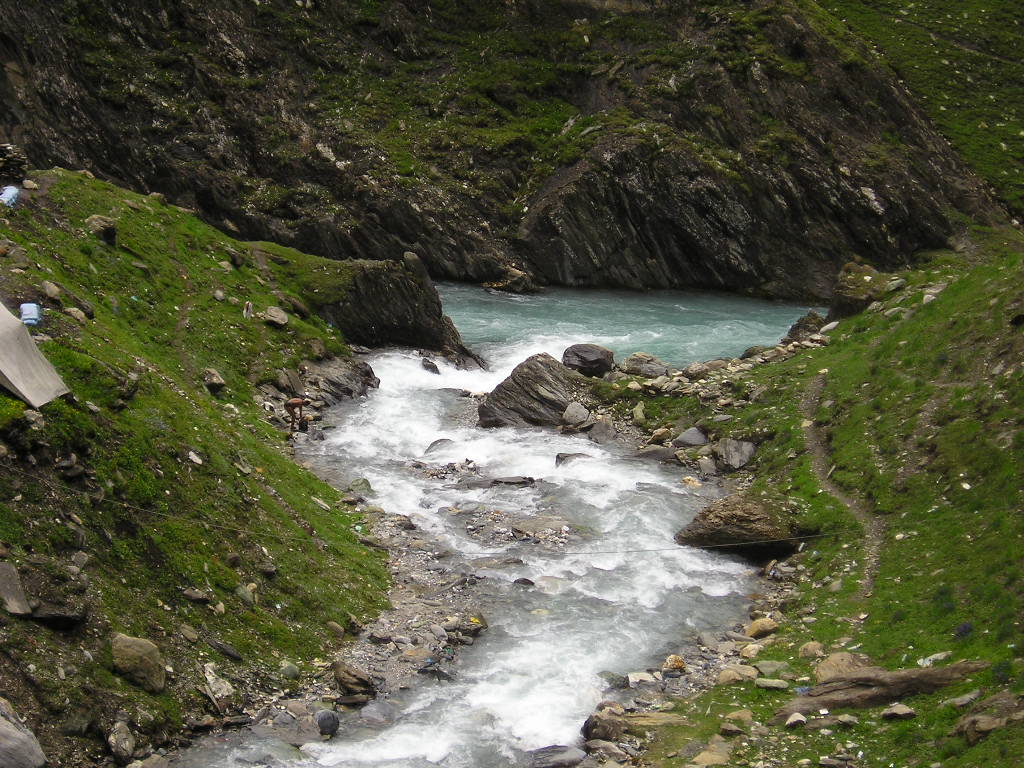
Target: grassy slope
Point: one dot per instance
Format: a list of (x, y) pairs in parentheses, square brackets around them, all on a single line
[(962, 60), (165, 523), (924, 420)]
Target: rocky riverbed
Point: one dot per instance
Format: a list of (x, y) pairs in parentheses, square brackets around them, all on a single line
[(441, 599)]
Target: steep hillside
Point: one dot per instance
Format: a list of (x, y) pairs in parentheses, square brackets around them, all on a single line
[(750, 146), (963, 63), (897, 451), (158, 500)]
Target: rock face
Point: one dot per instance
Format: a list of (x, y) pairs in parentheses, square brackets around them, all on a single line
[(589, 359), (19, 747), (140, 661), (740, 525), (537, 392), (771, 158), (394, 302)]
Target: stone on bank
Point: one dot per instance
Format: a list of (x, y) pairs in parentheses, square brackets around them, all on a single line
[(19, 747)]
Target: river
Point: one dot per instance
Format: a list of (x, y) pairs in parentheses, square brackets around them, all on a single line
[(611, 591)]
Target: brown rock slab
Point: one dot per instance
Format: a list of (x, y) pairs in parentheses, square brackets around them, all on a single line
[(739, 524), (839, 665), (873, 686)]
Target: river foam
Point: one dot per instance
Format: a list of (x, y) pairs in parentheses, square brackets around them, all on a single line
[(616, 595)]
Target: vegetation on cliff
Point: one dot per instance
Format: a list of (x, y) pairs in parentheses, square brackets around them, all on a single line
[(919, 402), (163, 485), (962, 62), (483, 135)]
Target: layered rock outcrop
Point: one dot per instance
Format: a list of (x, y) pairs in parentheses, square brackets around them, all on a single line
[(392, 302), (751, 149), (537, 392)]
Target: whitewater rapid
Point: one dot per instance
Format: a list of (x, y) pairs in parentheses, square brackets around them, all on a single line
[(618, 597), (612, 593)]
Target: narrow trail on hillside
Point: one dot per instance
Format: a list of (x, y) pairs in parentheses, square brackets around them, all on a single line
[(181, 326), (966, 47), (817, 444)]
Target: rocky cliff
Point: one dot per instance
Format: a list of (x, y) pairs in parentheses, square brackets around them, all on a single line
[(745, 146)]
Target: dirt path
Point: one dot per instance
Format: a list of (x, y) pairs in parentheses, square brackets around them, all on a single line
[(965, 47), (817, 444)]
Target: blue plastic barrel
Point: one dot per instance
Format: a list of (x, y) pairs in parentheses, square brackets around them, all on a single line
[(31, 314), (9, 196)]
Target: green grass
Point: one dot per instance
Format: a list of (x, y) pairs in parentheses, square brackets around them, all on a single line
[(154, 521), (924, 417), (961, 59)]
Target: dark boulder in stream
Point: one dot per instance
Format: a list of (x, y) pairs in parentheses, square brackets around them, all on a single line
[(537, 392), (589, 359)]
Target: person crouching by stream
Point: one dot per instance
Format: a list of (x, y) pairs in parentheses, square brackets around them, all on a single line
[(294, 407)]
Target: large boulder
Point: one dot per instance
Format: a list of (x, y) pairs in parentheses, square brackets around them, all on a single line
[(606, 724), (689, 438), (19, 747), (857, 287), (643, 364), (140, 661), (733, 454), (741, 525), (276, 317), (537, 392), (589, 359)]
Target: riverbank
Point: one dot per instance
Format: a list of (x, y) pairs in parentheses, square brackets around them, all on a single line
[(891, 446), (437, 589), (156, 502), (851, 597)]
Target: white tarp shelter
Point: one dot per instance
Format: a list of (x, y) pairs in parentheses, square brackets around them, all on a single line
[(23, 369)]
